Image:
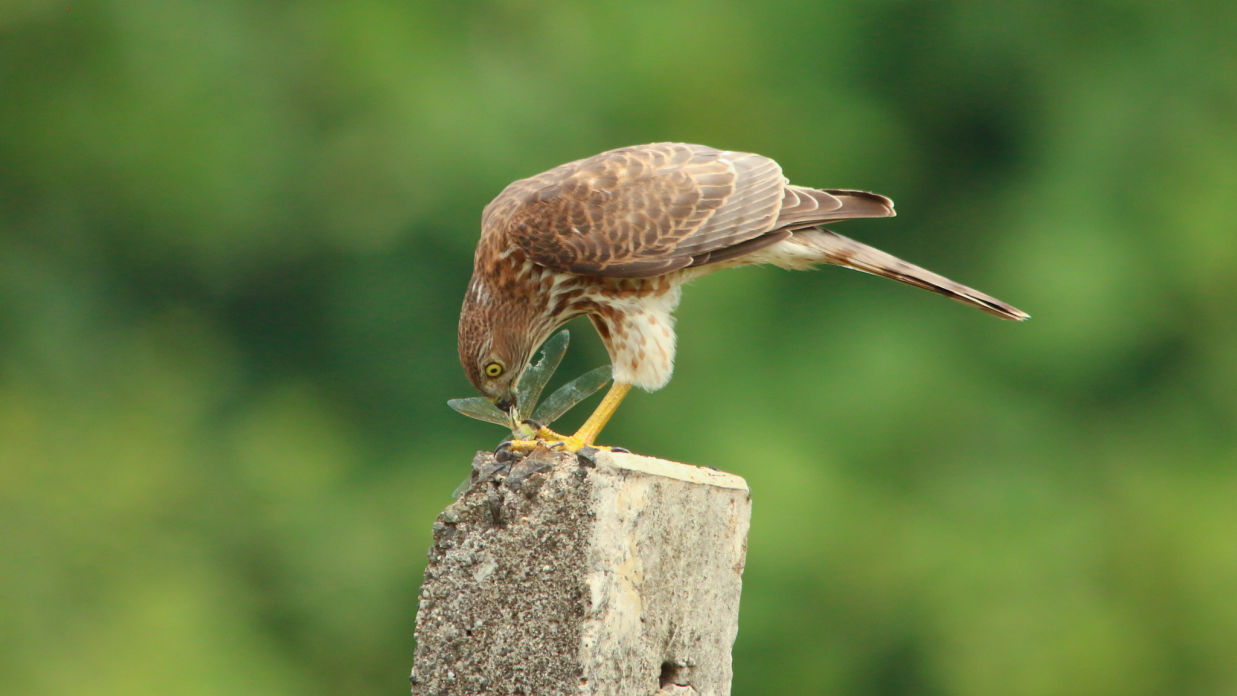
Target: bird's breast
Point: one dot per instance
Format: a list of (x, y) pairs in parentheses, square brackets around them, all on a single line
[(638, 330)]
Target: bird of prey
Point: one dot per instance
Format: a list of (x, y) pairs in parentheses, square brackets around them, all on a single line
[(615, 236)]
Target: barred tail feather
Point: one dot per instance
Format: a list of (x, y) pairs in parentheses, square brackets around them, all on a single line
[(833, 248)]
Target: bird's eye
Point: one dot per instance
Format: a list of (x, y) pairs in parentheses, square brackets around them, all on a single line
[(493, 370)]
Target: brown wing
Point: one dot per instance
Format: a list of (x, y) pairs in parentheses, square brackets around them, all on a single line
[(804, 208), (640, 211)]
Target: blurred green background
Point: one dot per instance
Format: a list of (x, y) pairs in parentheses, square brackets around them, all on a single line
[(234, 238)]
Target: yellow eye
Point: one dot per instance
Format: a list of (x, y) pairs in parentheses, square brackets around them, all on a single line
[(493, 370)]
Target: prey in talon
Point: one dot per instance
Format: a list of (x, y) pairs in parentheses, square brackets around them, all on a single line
[(521, 411)]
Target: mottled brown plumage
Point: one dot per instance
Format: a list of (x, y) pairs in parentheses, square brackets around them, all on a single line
[(615, 236)]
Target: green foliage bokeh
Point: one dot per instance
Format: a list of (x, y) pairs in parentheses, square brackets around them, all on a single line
[(234, 239)]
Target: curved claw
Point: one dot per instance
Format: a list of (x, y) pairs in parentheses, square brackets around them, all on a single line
[(504, 454)]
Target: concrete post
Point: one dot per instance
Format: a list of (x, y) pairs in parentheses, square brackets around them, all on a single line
[(603, 573)]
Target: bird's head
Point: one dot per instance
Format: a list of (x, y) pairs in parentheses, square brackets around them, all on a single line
[(496, 343)]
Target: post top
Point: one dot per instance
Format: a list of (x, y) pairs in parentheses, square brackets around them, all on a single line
[(669, 469)]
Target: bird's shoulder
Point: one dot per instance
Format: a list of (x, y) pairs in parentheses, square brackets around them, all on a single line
[(604, 177), (637, 210)]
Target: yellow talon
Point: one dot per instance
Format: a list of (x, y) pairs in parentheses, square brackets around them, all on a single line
[(548, 439), (522, 446), (544, 437)]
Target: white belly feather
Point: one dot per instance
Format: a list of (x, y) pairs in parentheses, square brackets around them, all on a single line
[(642, 345)]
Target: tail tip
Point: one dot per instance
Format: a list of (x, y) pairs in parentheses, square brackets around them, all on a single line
[(1013, 313)]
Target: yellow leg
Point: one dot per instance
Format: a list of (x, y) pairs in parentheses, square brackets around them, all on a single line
[(601, 415), (588, 432)]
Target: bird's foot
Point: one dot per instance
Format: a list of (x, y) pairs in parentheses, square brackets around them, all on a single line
[(517, 446), (532, 436), (554, 443)]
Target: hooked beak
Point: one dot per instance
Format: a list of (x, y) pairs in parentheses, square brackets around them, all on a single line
[(506, 403)]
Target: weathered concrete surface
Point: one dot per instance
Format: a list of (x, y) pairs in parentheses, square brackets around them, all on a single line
[(607, 574)]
